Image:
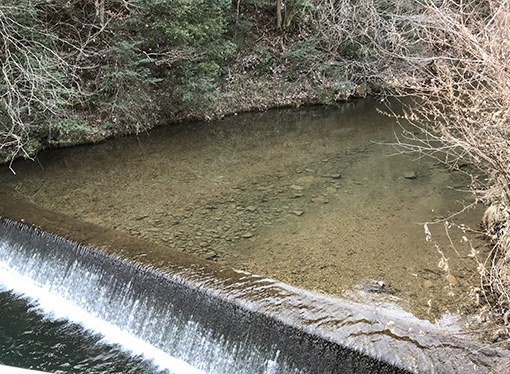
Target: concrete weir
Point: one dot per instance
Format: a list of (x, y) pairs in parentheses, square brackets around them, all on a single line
[(218, 320)]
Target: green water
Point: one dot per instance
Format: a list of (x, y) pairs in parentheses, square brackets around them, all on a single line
[(314, 197), (32, 341)]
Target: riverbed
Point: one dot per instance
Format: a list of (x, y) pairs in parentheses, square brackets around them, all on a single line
[(317, 198)]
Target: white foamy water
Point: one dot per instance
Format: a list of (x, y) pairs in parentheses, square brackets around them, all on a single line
[(55, 307), (177, 324)]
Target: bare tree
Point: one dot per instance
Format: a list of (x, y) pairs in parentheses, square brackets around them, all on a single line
[(458, 78), (34, 79)]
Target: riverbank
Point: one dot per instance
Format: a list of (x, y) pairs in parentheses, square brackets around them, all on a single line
[(137, 70), (244, 93)]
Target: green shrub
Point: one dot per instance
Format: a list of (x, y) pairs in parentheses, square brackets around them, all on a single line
[(67, 131), (302, 58), (191, 87), (169, 23), (125, 86)]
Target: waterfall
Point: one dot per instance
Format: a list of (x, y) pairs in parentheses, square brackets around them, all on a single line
[(180, 328), (189, 325)]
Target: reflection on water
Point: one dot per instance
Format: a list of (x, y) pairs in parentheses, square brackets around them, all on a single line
[(310, 197)]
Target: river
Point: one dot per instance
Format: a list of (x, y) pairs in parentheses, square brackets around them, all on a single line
[(317, 198)]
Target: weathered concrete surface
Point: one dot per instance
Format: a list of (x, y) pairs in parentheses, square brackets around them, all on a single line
[(384, 331)]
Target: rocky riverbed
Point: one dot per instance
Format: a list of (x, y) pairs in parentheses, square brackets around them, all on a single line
[(315, 198)]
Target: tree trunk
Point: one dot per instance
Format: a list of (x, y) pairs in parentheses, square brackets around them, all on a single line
[(100, 10), (279, 14)]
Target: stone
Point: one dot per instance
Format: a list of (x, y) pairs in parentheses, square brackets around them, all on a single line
[(251, 208), (297, 195), (428, 284), (298, 212), (307, 179), (451, 279), (360, 90), (332, 175), (311, 171), (204, 244), (409, 175), (210, 255), (296, 187), (247, 235), (320, 199)]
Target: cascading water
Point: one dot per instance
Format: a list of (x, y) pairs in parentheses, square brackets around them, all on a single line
[(180, 328), (212, 320)]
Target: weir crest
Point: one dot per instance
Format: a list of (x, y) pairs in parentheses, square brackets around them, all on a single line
[(196, 319)]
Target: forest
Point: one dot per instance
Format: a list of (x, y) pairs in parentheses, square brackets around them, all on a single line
[(80, 71)]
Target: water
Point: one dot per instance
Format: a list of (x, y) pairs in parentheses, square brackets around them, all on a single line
[(315, 198), (312, 198), (31, 339), (68, 308)]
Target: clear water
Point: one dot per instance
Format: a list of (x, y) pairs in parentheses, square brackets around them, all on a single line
[(315, 198), (67, 308)]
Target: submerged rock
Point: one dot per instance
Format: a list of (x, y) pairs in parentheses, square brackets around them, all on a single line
[(332, 175), (428, 284), (409, 175), (451, 279), (210, 255)]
